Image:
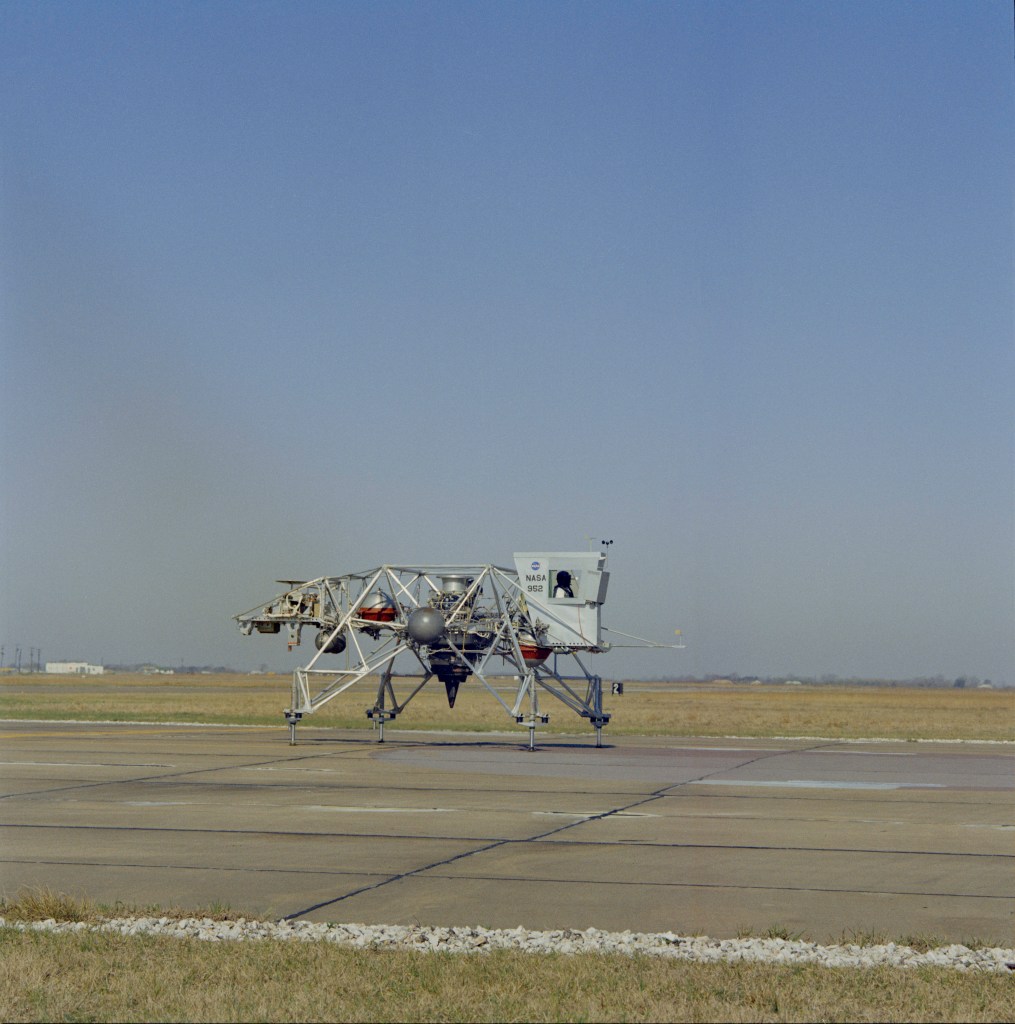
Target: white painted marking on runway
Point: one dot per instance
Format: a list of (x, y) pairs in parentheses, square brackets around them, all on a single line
[(378, 810), (728, 750), (156, 803), (817, 784), (86, 764), (580, 815), (862, 753)]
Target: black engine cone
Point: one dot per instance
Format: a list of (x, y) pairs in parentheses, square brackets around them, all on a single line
[(450, 671)]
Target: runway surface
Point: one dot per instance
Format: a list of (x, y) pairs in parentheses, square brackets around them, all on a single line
[(694, 836)]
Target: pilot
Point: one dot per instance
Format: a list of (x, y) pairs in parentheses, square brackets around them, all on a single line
[(563, 587)]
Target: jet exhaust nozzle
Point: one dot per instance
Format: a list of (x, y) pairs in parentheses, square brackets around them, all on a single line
[(451, 671)]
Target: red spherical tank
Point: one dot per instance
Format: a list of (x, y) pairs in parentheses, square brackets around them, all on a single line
[(532, 653)]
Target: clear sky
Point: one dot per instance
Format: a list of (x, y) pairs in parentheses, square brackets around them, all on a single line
[(294, 289)]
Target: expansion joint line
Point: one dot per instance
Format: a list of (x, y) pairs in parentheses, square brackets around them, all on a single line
[(656, 795), (666, 790), (174, 775)]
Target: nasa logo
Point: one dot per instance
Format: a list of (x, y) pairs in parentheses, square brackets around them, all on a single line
[(535, 567)]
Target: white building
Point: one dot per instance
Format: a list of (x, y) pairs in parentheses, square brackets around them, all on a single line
[(74, 668)]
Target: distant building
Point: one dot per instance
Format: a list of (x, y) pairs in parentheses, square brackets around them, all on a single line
[(74, 668)]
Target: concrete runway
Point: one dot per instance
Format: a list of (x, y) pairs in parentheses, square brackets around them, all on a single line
[(648, 834)]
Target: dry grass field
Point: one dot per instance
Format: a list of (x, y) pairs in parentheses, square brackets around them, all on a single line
[(670, 709), (92, 976), (95, 976)]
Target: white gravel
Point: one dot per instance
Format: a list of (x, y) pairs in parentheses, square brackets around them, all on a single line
[(484, 940)]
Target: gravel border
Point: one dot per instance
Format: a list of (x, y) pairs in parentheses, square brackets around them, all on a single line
[(566, 941)]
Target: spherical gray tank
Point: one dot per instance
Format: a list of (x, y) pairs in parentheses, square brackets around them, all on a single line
[(425, 625), (336, 646)]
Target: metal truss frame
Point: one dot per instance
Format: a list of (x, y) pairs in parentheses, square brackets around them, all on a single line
[(487, 620)]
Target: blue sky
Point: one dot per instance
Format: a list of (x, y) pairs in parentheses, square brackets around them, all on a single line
[(295, 289)]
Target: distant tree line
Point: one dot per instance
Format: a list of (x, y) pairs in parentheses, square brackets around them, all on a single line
[(926, 682), (185, 670)]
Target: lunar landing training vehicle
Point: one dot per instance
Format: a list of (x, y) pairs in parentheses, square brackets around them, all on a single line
[(407, 624)]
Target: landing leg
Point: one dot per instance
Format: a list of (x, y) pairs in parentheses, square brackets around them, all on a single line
[(533, 711), (380, 713), (378, 716)]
